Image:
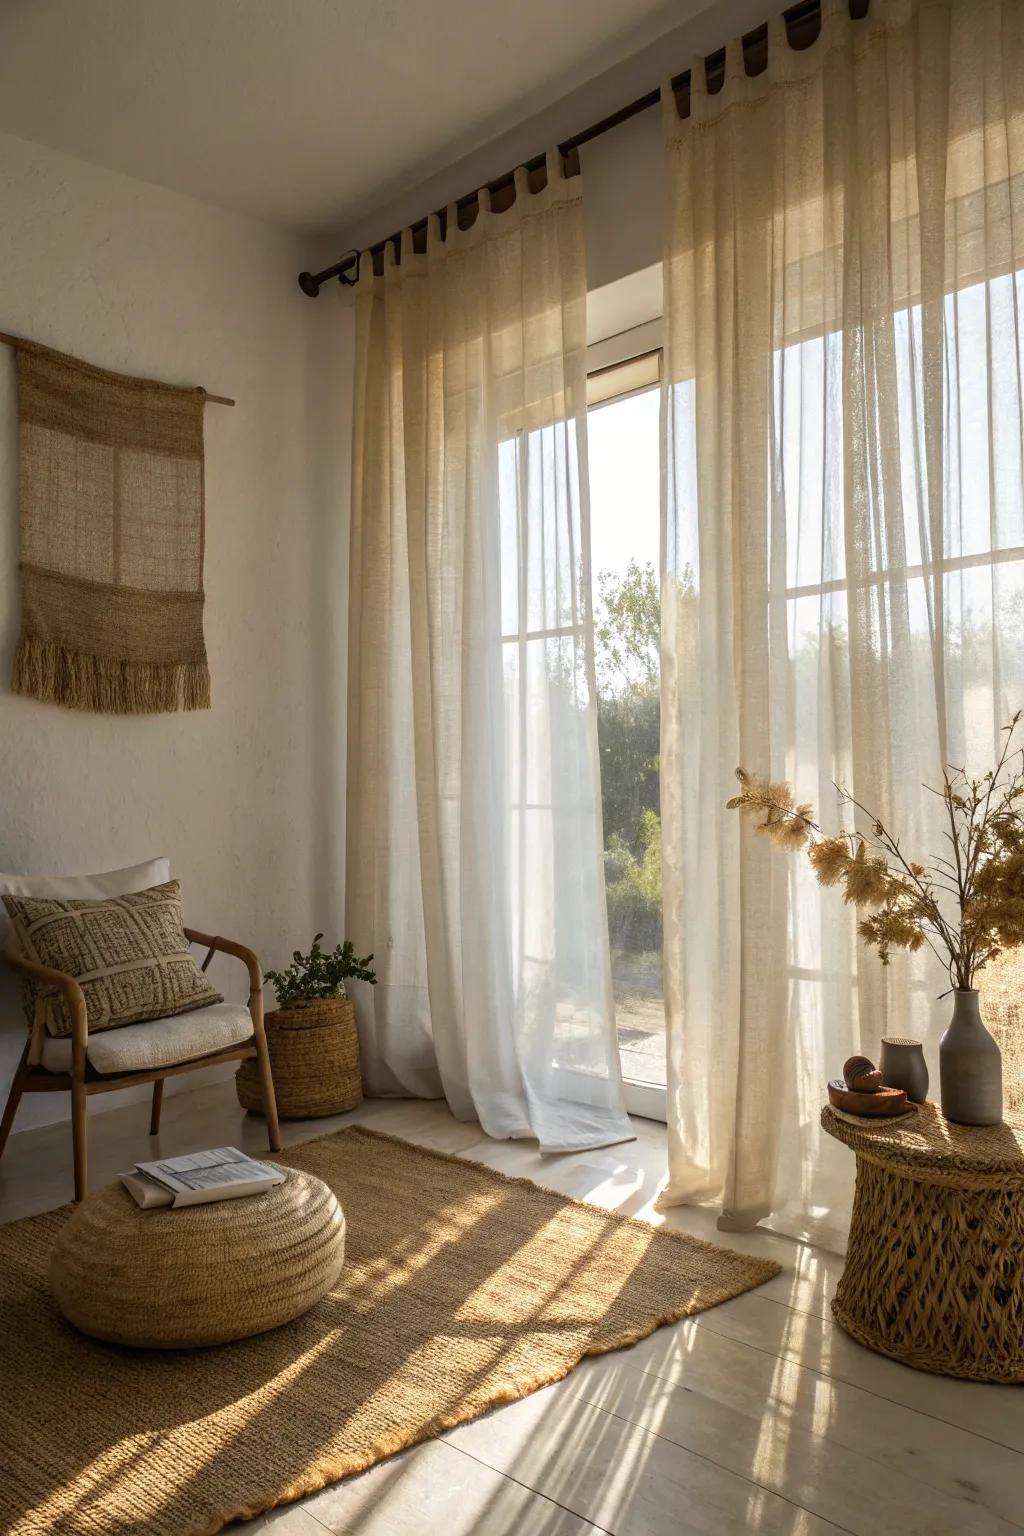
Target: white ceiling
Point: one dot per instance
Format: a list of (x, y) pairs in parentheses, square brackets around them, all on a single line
[(304, 112)]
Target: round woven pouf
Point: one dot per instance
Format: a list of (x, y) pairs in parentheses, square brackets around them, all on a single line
[(205, 1274), (934, 1272), (314, 1056)]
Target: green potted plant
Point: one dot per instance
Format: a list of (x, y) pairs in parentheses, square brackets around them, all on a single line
[(311, 1035)]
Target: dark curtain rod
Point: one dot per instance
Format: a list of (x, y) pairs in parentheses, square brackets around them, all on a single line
[(803, 23)]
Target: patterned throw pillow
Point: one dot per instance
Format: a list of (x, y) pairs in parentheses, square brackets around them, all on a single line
[(129, 954)]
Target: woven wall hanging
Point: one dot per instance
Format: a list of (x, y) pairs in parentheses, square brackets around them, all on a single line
[(112, 526)]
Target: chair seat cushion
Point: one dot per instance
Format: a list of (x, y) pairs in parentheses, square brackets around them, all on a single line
[(158, 1042)]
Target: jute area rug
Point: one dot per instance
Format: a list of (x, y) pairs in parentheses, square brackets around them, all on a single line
[(461, 1289)]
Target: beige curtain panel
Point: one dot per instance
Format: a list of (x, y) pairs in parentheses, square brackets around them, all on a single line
[(844, 583), (112, 524), (475, 869)]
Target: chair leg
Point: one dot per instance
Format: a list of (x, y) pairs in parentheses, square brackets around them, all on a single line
[(266, 1076), (269, 1098), (79, 1103), (158, 1099), (14, 1098)]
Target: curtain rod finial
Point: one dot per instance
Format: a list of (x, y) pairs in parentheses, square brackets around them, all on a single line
[(310, 282)]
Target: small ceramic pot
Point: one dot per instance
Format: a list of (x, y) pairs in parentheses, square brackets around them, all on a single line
[(970, 1066), (902, 1065)]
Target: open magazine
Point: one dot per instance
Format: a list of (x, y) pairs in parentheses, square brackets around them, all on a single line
[(222, 1173)]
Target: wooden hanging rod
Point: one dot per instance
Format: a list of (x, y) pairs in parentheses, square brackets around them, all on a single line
[(208, 399), (803, 22)]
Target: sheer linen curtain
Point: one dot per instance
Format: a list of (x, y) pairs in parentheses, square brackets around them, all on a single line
[(843, 545), (474, 868)]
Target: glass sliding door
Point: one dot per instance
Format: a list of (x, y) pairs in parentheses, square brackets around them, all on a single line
[(625, 500)]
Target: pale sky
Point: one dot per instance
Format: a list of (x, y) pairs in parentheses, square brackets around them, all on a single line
[(623, 446)]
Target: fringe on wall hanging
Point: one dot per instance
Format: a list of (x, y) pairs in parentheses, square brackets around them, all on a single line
[(112, 532)]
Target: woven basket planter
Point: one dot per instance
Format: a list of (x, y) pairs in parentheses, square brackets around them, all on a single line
[(314, 1056)]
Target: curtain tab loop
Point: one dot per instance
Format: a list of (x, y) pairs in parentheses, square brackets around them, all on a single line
[(669, 105), (700, 101), (735, 64), (778, 38)]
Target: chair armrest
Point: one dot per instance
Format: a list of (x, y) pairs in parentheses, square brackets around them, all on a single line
[(57, 981), (229, 947)]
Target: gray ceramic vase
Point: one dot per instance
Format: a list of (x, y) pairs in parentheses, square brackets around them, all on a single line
[(970, 1066), (902, 1065)]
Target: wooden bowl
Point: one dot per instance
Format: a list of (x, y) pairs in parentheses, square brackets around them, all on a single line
[(886, 1101)]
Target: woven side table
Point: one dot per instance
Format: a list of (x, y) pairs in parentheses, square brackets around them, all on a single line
[(934, 1270)]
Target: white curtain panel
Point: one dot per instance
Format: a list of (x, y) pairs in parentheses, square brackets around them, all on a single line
[(474, 829), (843, 544)]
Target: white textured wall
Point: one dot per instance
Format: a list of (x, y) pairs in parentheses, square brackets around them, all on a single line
[(248, 799)]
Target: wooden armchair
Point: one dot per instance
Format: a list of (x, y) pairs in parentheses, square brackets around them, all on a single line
[(100, 1064)]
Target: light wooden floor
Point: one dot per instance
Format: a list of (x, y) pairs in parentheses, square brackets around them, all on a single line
[(759, 1415)]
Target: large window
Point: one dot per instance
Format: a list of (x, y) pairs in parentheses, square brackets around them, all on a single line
[(624, 455)]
